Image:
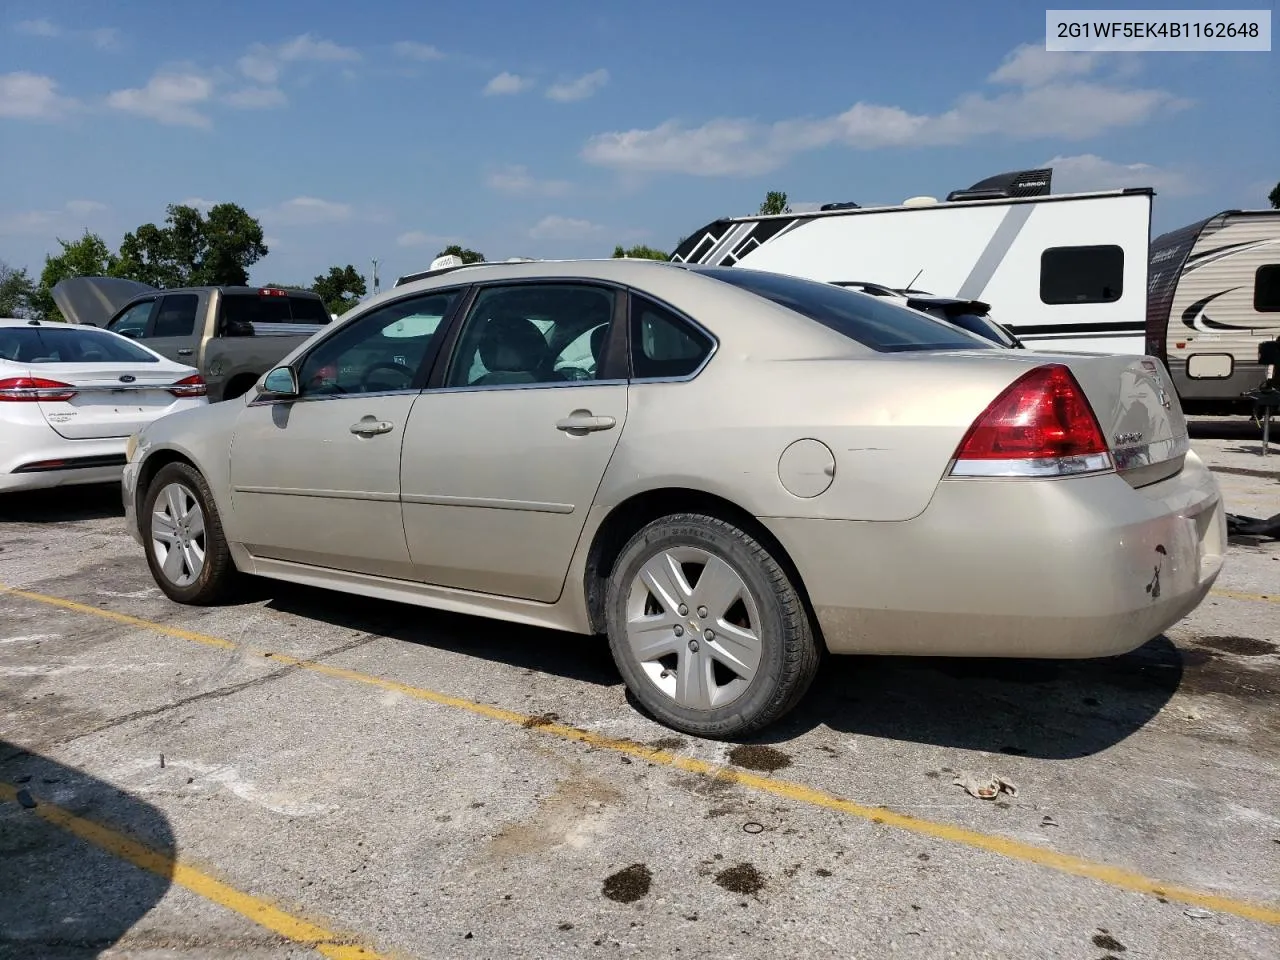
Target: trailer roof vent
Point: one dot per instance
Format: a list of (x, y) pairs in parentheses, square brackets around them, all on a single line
[(845, 205), (1020, 183), (919, 201)]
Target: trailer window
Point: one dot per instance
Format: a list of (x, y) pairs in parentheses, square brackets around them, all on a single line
[(1082, 274), (1266, 288)]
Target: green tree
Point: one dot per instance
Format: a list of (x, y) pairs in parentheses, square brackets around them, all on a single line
[(640, 252), (775, 202), (87, 257), (1274, 197), (340, 289), (16, 291), (192, 249), (457, 250)]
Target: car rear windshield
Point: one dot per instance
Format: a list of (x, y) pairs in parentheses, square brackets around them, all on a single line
[(68, 345), (870, 321), (255, 308)]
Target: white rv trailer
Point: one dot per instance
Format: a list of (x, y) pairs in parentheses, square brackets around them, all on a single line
[(1215, 295), (1060, 271)]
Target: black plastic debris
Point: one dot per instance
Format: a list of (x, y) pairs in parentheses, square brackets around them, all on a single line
[(1253, 526), (27, 801)]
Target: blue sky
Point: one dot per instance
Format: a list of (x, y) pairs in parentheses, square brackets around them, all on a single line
[(388, 129)]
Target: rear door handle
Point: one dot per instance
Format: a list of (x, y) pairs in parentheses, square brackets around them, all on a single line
[(582, 421), (186, 352), (369, 427)]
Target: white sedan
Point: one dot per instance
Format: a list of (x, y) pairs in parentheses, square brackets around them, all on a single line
[(71, 396)]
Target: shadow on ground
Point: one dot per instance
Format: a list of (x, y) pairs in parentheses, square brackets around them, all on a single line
[(62, 505), (63, 898), (1052, 709), (1043, 708), (569, 655)]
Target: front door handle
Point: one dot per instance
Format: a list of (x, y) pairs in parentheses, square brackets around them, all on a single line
[(369, 427), (186, 352), (582, 421)]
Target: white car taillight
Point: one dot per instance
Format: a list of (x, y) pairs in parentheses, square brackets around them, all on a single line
[(190, 387), (34, 390), (1040, 426)]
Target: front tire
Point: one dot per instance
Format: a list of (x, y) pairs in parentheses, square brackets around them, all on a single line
[(707, 629), (186, 550)]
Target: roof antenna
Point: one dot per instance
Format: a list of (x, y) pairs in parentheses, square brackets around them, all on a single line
[(915, 278)]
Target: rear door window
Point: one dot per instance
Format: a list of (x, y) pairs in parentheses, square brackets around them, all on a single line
[(176, 316), (871, 321)]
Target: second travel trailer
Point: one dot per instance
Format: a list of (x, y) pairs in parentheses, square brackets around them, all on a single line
[(1061, 271), (1215, 296)]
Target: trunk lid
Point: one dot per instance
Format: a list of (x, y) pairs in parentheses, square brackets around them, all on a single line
[(1138, 411), (111, 400), (95, 300)]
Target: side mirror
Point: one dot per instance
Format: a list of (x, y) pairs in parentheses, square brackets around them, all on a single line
[(281, 384)]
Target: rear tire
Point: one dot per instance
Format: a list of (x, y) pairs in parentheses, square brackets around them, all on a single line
[(706, 628), (186, 549)]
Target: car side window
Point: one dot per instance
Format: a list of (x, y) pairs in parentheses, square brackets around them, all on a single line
[(176, 316), (532, 333), (664, 345), (381, 352), (133, 322)]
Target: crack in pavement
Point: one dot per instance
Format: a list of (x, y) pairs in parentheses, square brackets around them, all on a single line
[(215, 694)]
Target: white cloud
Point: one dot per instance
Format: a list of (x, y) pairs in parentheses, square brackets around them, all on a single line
[(85, 207), (562, 228), (200, 203), (518, 181), (1042, 108), (31, 96), (1088, 171), (38, 28), (507, 83), (1030, 66), (105, 38), (579, 89), (169, 98), (412, 50), (257, 98), (71, 216), (738, 147), (264, 63), (307, 210)]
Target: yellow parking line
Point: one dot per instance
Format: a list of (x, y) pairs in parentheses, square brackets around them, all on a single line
[(325, 942), (1235, 595), (1002, 846)]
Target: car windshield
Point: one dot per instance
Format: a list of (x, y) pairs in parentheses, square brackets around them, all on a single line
[(59, 344), (871, 321)]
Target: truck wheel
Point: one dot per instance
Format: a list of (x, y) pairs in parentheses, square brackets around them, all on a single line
[(707, 629), (186, 550)]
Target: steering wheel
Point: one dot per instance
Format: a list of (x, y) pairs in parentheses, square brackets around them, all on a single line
[(399, 368), (573, 373)]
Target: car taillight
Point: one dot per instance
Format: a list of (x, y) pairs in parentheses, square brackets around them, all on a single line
[(34, 389), (1040, 426), (190, 387)]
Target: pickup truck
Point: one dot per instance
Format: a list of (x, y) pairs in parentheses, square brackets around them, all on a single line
[(232, 335)]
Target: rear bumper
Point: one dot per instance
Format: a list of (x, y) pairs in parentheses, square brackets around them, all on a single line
[(1084, 567), (37, 444)]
